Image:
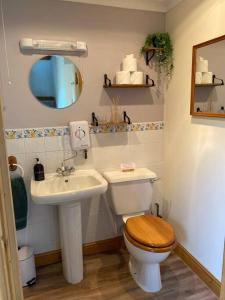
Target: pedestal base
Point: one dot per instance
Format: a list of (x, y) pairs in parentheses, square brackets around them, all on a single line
[(147, 276), (71, 242)]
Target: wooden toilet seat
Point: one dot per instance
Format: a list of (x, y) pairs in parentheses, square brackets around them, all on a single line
[(150, 233)]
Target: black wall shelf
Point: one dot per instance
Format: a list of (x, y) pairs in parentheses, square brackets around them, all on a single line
[(148, 83)]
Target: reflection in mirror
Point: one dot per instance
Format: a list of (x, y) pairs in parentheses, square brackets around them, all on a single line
[(55, 81), (208, 74)]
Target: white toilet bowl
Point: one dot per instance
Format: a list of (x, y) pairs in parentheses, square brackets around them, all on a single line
[(149, 240), (145, 267)]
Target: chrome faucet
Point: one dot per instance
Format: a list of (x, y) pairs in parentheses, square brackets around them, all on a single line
[(65, 170)]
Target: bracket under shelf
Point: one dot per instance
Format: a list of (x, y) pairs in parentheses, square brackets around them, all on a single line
[(150, 52)]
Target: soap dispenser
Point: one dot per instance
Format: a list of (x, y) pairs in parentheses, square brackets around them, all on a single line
[(39, 173)]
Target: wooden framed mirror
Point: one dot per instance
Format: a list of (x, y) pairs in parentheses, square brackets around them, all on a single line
[(208, 77)]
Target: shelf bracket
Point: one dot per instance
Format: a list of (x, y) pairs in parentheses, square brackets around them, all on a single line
[(94, 120), (150, 52), (107, 81), (147, 78), (216, 78), (126, 118), (149, 55)]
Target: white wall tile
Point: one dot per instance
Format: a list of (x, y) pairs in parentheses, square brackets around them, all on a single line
[(34, 145), (95, 205), (110, 157), (109, 139), (145, 137), (15, 146), (146, 154), (42, 236), (66, 143), (98, 227), (81, 163), (53, 160), (41, 213), (54, 143)]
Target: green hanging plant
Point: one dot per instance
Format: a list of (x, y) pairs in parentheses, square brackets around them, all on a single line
[(163, 58)]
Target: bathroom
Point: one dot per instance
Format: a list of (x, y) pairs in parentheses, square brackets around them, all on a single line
[(184, 151)]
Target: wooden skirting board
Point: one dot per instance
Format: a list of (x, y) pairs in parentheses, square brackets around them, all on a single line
[(52, 257), (116, 243), (213, 283)]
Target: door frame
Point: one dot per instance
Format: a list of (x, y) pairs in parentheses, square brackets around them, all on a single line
[(222, 292), (10, 283)]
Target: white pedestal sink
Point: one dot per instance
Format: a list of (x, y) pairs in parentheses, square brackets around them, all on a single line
[(67, 192)]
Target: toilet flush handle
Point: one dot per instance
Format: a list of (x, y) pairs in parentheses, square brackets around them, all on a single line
[(152, 180), (157, 210)]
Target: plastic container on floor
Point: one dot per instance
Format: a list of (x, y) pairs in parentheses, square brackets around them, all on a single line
[(27, 266)]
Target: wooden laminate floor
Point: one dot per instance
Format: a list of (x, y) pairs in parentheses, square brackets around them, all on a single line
[(106, 276)]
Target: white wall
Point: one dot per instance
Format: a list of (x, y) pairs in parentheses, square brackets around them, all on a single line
[(194, 147), (108, 151), (149, 5)]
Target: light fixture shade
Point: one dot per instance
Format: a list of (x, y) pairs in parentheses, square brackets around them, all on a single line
[(49, 45)]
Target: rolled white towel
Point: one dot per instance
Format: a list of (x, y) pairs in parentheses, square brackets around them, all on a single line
[(207, 77), (136, 77), (129, 56), (130, 64), (123, 77), (198, 77), (202, 65), (200, 58)]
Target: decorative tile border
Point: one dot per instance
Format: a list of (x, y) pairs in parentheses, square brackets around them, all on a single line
[(61, 131), (110, 128), (14, 133)]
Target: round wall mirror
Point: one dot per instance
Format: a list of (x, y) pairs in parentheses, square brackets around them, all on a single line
[(55, 81)]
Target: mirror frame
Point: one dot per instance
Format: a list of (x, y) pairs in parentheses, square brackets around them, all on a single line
[(194, 55)]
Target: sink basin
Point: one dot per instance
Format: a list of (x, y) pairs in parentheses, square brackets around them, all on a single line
[(59, 190), (67, 193)]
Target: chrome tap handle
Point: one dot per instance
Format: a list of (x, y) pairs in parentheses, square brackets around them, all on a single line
[(72, 169), (59, 171), (65, 171)]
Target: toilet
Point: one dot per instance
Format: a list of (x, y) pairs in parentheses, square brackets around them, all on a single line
[(149, 239)]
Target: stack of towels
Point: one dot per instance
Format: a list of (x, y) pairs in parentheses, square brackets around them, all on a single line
[(202, 75), (129, 73)]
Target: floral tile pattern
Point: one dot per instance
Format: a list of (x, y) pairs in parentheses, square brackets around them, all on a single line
[(53, 131), (61, 131), (66, 130), (14, 133), (33, 132)]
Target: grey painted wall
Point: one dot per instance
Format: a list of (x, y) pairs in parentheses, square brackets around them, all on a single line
[(110, 33)]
